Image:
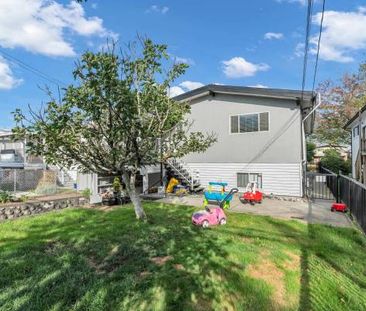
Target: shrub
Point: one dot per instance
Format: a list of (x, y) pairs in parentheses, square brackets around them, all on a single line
[(5, 197), (116, 185), (333, 161), (86, 193), (46, 189), (310, 151)]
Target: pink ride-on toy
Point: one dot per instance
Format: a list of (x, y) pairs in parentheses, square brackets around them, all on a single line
[(212, 215)]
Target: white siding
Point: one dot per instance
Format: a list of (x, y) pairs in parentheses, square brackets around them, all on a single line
[(277, 178)]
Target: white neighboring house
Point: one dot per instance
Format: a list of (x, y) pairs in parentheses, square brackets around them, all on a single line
[(357, 126), (13, 155), (261, 137)]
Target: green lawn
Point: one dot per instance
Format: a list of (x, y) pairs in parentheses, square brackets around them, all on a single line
[(83, 259)]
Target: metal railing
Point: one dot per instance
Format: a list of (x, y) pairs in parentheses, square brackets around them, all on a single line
[(363, 145), (178, 167), (350, 192)]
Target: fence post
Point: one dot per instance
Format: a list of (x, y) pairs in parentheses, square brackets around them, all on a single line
[(338, 187), (15, 180)]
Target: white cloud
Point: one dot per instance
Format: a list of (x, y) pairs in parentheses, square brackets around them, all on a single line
[(238, 67), (190, 85), (7, 79), (183, 60), (273, 35), (175, 91), (343, 33), (183, 87), (260, 86), (302, 2), (39, 26), (158, 9), (299, 50)]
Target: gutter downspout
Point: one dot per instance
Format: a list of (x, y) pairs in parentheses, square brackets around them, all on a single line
[(304, 158)]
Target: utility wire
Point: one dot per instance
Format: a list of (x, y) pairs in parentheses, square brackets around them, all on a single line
[(32, 69), (318, 48), (306, 47)]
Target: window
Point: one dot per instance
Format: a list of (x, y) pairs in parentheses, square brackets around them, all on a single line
[(234, 124), (356, 131), (244, 178), (249, 123)]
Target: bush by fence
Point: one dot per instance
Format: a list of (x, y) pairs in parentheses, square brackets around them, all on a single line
[(19, 180)]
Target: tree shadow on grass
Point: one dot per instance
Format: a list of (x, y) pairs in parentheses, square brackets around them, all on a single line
[(92, 260), (332, 266)]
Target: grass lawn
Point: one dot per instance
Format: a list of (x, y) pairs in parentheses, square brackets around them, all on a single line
[(84, 259)]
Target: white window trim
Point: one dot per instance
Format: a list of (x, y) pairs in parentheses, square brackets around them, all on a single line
[(246, 114), (249, 173)]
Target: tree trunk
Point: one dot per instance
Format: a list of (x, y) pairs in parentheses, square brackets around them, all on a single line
[(135, 198)]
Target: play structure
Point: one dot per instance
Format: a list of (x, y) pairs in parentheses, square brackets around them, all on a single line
[(214, 215), (252, 195), (217, 196)]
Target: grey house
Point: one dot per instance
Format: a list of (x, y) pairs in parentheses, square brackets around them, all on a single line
[(261, 136)]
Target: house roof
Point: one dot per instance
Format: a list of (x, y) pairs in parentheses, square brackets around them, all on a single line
[(350, 121), (308, 96), (4, 133)]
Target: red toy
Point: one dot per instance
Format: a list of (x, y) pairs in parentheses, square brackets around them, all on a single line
[(251, 194), (339, 207)]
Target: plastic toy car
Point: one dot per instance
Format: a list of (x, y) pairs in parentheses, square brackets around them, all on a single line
[(339, 207), (209, 217), (213, 215), (252, 195)]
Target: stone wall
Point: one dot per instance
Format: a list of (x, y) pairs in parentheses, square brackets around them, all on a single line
[(20, 209)]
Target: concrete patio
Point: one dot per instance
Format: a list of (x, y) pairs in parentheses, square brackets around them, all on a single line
[(308, 212)]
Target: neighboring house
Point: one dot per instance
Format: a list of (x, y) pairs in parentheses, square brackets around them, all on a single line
[(357, 126), (319, 152), (261, 137), (13, 154)]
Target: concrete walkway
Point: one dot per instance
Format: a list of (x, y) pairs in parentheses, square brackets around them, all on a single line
[(308, 212)]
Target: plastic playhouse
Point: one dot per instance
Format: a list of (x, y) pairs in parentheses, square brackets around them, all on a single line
[(252, 195), (220, 197)]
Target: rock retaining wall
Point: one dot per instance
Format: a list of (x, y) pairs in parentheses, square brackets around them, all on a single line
[(16, 210)]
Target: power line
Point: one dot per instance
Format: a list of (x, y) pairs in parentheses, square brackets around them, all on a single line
[(318, 48), (306, 47), (32, 69)]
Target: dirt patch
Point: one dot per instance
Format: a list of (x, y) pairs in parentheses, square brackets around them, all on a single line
[(109, 263), (179, 266), (269, 273), (293, 263), (98, 268), (52, 247), (161, 260)]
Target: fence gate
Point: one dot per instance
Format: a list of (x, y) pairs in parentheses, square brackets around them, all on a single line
[(322, 186)]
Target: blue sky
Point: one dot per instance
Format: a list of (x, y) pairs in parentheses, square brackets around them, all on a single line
[(233, 42)]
